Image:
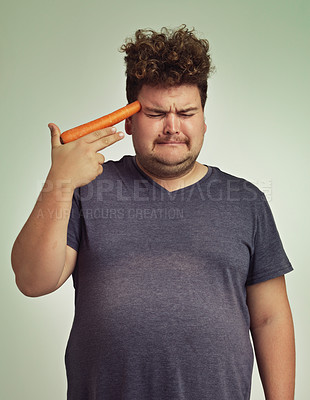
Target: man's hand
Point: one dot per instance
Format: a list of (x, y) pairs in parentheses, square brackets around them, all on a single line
[(77, 163)]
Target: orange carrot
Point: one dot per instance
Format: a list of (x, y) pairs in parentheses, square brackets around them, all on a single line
[(101, 123)]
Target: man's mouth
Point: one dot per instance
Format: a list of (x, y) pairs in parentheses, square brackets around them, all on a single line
[(171, 142)]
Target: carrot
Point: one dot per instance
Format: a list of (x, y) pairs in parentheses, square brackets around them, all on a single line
[(101, 123)]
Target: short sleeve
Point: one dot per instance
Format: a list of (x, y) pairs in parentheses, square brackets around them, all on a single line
[(74, 226), (268, 259)]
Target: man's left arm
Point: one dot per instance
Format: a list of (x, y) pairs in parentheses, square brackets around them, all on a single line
[(272, 331)]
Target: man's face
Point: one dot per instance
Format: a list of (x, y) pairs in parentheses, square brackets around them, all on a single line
[(168, 132)]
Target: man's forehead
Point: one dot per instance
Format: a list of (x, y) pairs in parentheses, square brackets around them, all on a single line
[(184, 97)]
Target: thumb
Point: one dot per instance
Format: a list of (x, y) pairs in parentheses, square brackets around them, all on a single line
[(55, 135)]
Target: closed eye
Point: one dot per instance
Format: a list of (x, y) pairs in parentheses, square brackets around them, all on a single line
[(185, 115), (157, 115), (161, 115)]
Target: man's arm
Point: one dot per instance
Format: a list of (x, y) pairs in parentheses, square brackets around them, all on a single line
[(273, 337), (41, 259)]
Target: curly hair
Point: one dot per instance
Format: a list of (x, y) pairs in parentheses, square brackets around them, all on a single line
[(166, 58)]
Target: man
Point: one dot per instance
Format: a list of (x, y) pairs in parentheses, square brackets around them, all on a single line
[(173, 262)]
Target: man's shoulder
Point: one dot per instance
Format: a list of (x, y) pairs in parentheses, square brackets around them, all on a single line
[(233, 184), (125, 161), (124, 165), (228, 177)]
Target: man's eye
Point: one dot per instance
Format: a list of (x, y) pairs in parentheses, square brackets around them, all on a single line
[(155, 115), (185, 115)]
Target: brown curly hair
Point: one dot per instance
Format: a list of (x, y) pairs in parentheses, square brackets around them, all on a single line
[(168, 58)]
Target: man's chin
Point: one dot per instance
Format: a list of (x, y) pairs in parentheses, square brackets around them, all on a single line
[(166, 167)]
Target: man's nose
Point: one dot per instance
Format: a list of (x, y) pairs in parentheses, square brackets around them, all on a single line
[(172, 124)]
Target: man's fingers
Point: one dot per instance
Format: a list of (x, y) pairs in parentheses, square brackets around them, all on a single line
[(100, 158), (96, 135), (106, 140)]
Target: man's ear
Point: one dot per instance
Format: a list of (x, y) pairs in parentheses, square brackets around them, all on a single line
[(128, 126)]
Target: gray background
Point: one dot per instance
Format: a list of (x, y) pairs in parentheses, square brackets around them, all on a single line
[(60, 63)]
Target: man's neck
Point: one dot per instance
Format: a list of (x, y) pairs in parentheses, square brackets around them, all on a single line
[(171, 184)]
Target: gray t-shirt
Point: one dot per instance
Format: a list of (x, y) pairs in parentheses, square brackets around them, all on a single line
[(160, 284)]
